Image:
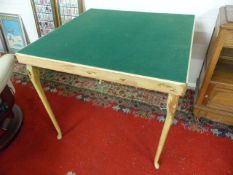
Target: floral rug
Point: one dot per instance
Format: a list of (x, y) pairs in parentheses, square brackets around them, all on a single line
[(139, 102)]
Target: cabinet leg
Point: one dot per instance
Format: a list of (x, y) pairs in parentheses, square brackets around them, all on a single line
[(172, 103), (34, 75)]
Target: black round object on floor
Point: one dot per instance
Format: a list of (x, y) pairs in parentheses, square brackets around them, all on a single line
[(13, 126)]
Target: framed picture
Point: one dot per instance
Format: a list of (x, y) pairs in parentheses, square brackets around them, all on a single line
[(3, 48), (50, 14), (68, 9), (45, 16), (13, 32)]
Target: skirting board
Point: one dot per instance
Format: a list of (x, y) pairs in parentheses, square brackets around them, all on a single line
[(192, 86)]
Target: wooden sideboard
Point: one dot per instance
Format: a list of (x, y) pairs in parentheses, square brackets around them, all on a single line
[(214, 90)]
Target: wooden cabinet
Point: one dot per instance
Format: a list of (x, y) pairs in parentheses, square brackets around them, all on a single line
[(214, 90)]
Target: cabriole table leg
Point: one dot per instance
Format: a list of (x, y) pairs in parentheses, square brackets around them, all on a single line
[(34, 75), (172, 103)]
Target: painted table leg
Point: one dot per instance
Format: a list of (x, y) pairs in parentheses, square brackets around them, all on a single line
[(34, 75), (172, 103)]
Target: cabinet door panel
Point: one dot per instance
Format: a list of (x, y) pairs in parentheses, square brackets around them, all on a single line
[(219, 98), (229, 41)]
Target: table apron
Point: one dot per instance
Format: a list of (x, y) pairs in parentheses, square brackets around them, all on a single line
[(138, 81)]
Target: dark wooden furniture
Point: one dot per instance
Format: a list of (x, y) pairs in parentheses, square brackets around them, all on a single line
[(214, 91)]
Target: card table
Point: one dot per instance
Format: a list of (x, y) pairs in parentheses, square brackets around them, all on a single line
[(139, 49)]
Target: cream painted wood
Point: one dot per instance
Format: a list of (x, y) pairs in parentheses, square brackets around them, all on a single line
[(34, 75), (138, 81), (172, 103)]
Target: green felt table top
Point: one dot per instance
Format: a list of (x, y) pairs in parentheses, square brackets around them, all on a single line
[(149, 44)]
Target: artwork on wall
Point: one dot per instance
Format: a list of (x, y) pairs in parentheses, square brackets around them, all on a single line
[(3, 48), (68, 9), (44, 16), (50, 14), (13, 32)]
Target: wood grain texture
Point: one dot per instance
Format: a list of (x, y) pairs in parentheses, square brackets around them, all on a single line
[(229, 40), (213, 57), (213, 98), (107, 75), (223, 72), (219, 97), (172, 103), (81, 7), (213, 114), (34, 75)]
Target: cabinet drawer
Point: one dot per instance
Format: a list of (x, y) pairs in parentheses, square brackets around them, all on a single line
[(219, 97)]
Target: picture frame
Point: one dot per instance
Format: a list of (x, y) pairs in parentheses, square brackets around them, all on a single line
[(13, 32), (3, 47), (68, 9), (50, 14), (44, 15)]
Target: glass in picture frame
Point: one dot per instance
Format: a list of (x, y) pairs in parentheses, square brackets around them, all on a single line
[(68, 9), (13, 32), (44, 15)]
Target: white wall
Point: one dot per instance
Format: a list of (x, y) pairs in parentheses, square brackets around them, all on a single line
[(23, 8), (205, 12)]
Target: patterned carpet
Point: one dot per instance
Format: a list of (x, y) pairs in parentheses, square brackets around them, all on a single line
[(139, 102)]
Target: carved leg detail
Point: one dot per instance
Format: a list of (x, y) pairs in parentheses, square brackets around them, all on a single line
[(172, 103), (34, 75)]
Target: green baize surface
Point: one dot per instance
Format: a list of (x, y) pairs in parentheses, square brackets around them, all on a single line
[(149, 44)]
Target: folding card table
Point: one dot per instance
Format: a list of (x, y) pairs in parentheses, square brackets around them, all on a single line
[(144, 50)]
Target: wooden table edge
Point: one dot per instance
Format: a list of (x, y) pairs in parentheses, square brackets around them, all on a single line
[(138, 81)]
